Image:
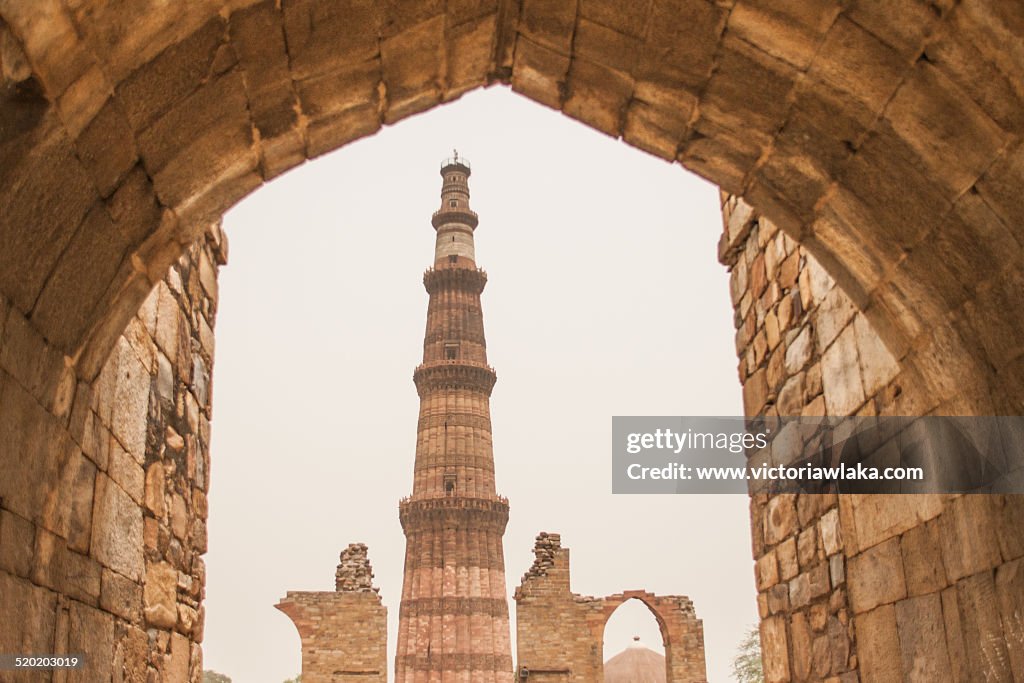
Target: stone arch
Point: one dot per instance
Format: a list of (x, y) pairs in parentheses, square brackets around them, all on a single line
[(861, 129), (614, 602), (681, 632)]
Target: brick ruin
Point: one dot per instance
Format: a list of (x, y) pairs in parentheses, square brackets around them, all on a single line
[(882, 144), (343, 632), (560, 634)]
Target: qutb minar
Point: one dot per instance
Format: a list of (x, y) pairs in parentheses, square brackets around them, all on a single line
[(453, 620)]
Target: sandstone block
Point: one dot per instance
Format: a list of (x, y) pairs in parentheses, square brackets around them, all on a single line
[(840, 374), (780, 520), (875, 576), (121, 596), (985, 645), (922, 639), (160, 595), (807, 547), (799, 351), (117, 529), (878, 646), (968, 536), (767, 571), (597, 96), (922, 559), (878, 366), (786, 553), (33, 630), (17, 538), (801, 644), (155, 489), (800, 590), (778, 598), (775, 650), (91, 632), (131, 401), (1010, 592)]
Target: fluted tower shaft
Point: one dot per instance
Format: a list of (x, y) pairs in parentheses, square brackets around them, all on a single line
[(453, 621)]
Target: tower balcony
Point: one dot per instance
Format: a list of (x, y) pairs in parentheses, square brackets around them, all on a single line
[(457, 162), (453, 511), (467, 279), (454, 374), (463, 216)]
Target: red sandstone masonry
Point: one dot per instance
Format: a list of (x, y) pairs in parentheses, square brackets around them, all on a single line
[(453, 621)]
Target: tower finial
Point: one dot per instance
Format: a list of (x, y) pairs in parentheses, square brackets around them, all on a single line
[(455, 153)]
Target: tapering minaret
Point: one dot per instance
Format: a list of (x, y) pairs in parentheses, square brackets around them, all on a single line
[(453, 623)]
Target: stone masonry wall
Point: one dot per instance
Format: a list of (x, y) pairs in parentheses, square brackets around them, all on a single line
[(560, 634), (344, 633), (866, 588), (103, 516)]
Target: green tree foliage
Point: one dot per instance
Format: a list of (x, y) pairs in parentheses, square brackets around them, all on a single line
[(214, 677), (746, 665), (297, 679)]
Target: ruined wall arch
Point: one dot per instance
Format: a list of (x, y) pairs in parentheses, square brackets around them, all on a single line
[(613, 603), (560, 634)]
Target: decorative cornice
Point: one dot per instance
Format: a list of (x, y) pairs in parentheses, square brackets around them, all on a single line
[(454, 375), (469, 279), (453, 511), (461, 216)]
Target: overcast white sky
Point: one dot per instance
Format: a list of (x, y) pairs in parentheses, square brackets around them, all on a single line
[(604, 298)]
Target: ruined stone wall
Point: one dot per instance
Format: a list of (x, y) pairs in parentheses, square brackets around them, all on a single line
[(560, 634), (344, 633), (108, 561), (912, 587)]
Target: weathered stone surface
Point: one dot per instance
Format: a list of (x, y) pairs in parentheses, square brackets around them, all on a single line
[(878, 645), (1010, 593), (36, 607), (131, 399), (91, 632), (786, 552), (840, 373), (767, 571), (117, 529), (780, 522), (922, 560), (160, 595), (875, 576), (922, 639), (969, 544), (985, 646), (775, 650)]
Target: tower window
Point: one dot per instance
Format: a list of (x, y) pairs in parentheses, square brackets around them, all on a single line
[(449, 484), (451, 350), (453, 203)]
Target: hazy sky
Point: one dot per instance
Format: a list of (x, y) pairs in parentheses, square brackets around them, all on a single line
[(604, 298)]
